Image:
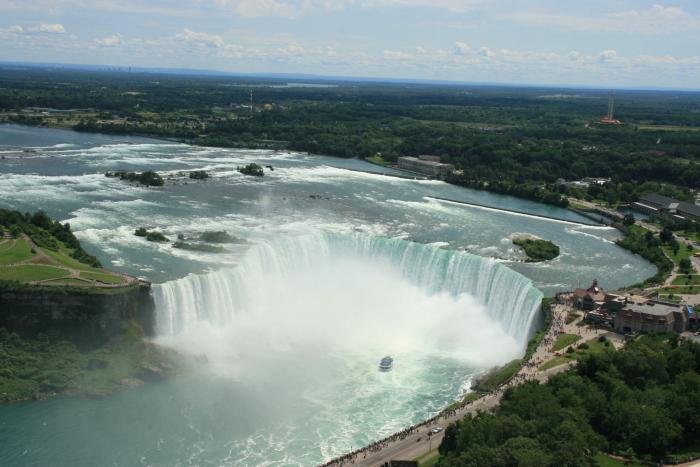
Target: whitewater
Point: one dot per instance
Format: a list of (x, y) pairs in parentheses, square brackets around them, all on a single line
[(334, 265)]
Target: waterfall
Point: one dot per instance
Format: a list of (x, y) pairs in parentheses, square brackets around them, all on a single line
[(509, 297)]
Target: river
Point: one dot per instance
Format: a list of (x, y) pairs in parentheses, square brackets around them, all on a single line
[(335, 265)]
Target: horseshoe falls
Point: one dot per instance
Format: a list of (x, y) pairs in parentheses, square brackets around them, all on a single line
[(217, 298)]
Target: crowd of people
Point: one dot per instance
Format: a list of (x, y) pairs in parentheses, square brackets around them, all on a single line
[(527, 372)]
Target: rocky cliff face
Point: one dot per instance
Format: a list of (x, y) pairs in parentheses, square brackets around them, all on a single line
[(83, 316)]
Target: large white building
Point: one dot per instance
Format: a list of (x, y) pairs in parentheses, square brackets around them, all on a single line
[(426, 165)]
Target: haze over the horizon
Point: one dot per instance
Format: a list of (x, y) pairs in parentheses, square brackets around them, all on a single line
[(598, 43)]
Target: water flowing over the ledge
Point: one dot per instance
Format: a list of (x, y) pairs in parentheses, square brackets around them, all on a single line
[(510, 298)]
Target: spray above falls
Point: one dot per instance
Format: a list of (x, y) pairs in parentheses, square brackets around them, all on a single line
[(371, 287)]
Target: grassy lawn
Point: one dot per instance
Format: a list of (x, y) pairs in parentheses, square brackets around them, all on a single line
[(564, 340), (70, 281), (688, 289), (15, 251), (495, 378), (556, 361), (428, 459), (102, 277), (571, 316), (670, 297), (690, 235), (580, 207), (693, 279), (63, 257), (666, 127), (683, 252), (376, 159), (31, 272), (594, 346), (603, 460)]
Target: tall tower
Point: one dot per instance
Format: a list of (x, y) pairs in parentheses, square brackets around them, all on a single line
[(609, 118), (611, 105), (251, 101)]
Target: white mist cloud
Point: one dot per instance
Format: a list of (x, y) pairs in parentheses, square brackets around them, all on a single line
[(109, 41), (607, 56), (462, 48), (52, 28)]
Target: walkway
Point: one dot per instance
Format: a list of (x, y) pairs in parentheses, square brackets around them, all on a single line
[(513, 211), (39, 258)]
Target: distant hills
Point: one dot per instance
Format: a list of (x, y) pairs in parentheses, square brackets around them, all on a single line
[(304, 77)]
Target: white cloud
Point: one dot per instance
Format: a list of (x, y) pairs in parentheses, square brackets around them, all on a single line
[(462, 48), (655, 20), (109, 41), (16, 29), (201, 38), (291, 49), (574, 55), (52, 28), (486, 52), (607, 56), (396, 55), (298, 8)]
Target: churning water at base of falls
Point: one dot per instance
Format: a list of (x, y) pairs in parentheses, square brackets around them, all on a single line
[(304, 320), (333, 269)]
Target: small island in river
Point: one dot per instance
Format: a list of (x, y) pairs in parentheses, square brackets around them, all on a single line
[(537, 249)]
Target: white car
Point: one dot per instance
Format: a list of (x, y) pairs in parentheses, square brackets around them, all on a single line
[(436, 430)]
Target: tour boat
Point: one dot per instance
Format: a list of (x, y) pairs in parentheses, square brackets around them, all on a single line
[(386, 364)]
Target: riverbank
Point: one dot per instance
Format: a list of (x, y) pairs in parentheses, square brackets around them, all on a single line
[(67, 326), (417, 440), (44, 366)]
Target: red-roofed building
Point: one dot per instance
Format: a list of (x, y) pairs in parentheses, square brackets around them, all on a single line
[(587, 299)]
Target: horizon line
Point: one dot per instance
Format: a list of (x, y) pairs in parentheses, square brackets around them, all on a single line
[(177, 71)]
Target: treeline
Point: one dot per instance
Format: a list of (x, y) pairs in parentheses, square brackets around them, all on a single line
[(628, 192), (542, 193), (46, 233), (497, 135), (644, 243), (641, 402)]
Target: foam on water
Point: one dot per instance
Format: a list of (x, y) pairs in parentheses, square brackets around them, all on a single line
[(315, 311)]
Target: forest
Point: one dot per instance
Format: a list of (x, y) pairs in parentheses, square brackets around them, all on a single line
[(641, 402), (511, 140)]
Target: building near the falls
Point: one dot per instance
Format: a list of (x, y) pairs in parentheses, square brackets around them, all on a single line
[(426, 165)]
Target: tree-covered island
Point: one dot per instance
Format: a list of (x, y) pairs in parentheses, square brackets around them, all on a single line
[(537, 249)]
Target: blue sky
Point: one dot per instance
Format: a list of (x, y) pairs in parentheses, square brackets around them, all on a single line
[(612, 43)]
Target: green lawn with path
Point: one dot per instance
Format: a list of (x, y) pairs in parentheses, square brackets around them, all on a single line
[(692, 279), (564, 340), (58, 270), (31, 272), (63, 256), (686, 289), (603, 460), (594, 346), (69, 281), (102, 277), (14, 251), (682, 252)]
